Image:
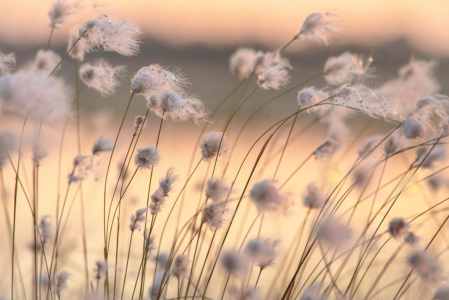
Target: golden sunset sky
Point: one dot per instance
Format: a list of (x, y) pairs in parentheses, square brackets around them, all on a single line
[(232, 22)]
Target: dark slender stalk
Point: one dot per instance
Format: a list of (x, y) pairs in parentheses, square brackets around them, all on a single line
[(63, 58), (49, 38), (285, 147), (126, 268)]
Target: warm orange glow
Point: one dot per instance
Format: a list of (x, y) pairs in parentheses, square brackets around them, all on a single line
[(240, 22)]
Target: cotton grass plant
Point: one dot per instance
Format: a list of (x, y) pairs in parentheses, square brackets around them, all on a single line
[(345, 243)]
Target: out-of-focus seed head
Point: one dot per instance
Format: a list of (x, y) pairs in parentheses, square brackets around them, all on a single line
[(101, 77), (180, 266), (147, 157), (398, 228), (241, 63), (267, 197), (427, 267), (313, 198)]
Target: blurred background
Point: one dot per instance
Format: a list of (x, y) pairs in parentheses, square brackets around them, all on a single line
[(198, 36)]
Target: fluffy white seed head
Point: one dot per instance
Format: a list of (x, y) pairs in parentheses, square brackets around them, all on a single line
[(81, 47), (102, 144), (100, 269), (155, 80), (427, 267), (210, 145), (180, 266), (81, 168), (157, 201), (415, 81), (413, 128), (60, 283), (166, 182), (45, 229), (313, 198), (213, 214), (273, 78), (241, 63), (31, 94), (360, 98), (138, 123), (216, 190), (137, 218), (60, 11), (345, 68), (442, 293), (147, 157), (333, 232), (101, 77), (150, 244), (262, 251), (326, 150), (318, 26), (234, 262), (267, 197), (108, 34), (398, 228), (310, 96), (7, 62), (265, 61)]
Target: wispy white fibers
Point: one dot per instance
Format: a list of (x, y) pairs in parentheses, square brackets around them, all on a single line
[(428, 118), (81, 168), (165, 186), (264, 61), (180, 266), (30, 94), (101, 77), (318, 26), (46, 60), (111, 35), (309, 96), (7, 62), (273, 78), (61, 10), (210, 144), (60, 283), (212, 215), (81, 47), (345, 68), (102, 144), (263, 252), (360, 98), (165, 95), (415, 81), (326, 150), (137, 218), (147, 157), (241, 63)]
